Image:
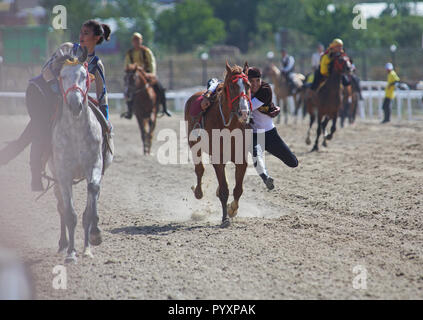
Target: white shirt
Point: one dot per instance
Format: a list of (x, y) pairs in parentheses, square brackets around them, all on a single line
[(261, 120)]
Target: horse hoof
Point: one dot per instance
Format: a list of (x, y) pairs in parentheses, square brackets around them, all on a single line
[(71, 257), (88, 253), (324, 144), (95, 239), (232, 209), (329, 137), (62, 248), (315, 148), (225, 223), (308, 141), (198, 193)]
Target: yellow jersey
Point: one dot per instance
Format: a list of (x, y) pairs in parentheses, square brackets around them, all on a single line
[(390, 87)]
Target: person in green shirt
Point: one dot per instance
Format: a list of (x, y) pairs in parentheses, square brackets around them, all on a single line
[(389, 91)]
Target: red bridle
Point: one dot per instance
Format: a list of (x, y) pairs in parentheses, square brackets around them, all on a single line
[(235, 79), (75, 87)]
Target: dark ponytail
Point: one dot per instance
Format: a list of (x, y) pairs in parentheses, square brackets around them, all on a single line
[(102, 30)]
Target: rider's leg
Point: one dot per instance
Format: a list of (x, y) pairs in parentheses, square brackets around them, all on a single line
[(277, 147), (160, 92), (259, 165), (40, 111), (317, 79)]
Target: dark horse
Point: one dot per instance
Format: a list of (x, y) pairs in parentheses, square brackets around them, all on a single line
[(145, 102), (350, 98), (326, 101), (228, 115)]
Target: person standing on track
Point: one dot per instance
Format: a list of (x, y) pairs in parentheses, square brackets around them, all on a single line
[(389, 91)]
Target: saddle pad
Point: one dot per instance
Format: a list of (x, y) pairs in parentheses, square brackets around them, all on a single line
[(196, 107)]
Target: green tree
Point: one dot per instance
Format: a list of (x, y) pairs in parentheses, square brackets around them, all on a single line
[(240, 21), (188, 24), (131, 16)]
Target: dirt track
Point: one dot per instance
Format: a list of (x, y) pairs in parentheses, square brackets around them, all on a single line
[(358, 202)]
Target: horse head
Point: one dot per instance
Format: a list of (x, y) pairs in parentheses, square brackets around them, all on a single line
[(238, 91), (74, 84), (135, 77), (342, 64)]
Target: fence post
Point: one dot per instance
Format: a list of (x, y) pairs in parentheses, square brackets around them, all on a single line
[(410, 110), (399, 106), (171, 74)]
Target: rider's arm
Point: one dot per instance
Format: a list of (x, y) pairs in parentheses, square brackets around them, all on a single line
[(151, 62), (127, 61), (101, 90), (51, 68)]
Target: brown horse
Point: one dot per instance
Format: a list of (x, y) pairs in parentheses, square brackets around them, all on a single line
[(281, 89), (145, 103), (228, 115), (326, 101), (350, 97)]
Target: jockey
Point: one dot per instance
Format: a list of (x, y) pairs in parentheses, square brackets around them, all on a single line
[(287, 69), (263, 112), (143, 57), (43, 95), (335, 49), (389, 91)]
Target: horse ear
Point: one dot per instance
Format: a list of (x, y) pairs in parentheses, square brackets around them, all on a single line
[(228, 67), (245, 67)]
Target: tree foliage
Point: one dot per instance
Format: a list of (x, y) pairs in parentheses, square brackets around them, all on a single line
[(188, 24)]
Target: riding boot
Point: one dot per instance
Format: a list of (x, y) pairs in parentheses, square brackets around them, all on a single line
[(160, 92), (127, 114), (268, 181)]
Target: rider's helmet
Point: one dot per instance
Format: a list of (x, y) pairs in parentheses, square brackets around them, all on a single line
[(389, 66), (336, 43)]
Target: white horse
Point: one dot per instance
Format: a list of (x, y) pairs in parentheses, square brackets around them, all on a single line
[(77, 153)]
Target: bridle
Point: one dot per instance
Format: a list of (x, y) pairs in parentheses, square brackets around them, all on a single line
[(339, 66), (134, 90), (231, 101), (75, 87), (235, 79)]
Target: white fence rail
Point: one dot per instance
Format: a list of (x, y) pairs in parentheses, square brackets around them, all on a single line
[(373, 94)]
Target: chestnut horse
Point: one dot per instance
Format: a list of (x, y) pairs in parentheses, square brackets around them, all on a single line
[(229, 115), (281, 89), (326, 101), (145, 103)]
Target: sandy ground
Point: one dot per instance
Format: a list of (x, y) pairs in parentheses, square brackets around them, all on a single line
[(356, 204)]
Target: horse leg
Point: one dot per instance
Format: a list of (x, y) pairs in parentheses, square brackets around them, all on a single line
[(199, 171), (319, 130), (70, 218), (312, 118), (325, 135), (63, 241), (333, 128), (223, 193), (240, 170), (285, 109), (278, 120), (92, 233)]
